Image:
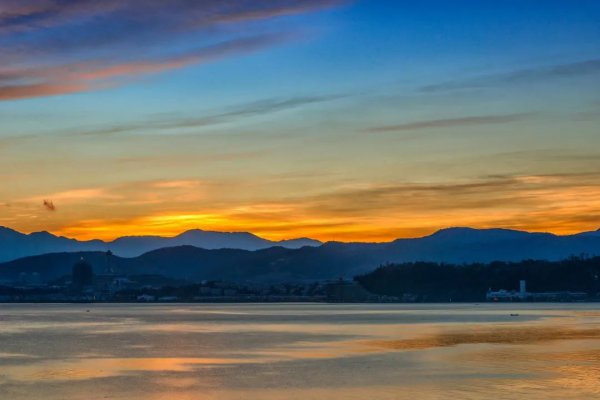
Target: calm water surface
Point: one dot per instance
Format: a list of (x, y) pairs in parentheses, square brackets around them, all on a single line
[(299, 351)]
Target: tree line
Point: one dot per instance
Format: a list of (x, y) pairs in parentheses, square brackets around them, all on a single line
[(428, 281)]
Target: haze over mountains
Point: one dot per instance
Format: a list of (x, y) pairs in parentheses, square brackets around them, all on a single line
[(273, 262)]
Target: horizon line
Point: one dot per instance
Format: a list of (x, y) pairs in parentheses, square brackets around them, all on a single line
[(433, 232)]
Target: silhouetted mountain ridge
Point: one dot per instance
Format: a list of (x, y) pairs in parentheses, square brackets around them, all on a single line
[(328, 261), (14, 245)]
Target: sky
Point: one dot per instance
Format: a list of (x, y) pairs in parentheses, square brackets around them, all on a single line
[(331, 119)]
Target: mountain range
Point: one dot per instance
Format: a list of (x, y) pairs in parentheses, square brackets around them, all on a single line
[(14, 245), (330, 260)]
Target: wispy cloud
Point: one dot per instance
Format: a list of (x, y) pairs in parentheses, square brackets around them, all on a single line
[(453, 122), (11, 92), (26, 15), (251, 109), (80, 77), (468, 194), (130, 193), (521, 76), (186, 158), (54, 47)]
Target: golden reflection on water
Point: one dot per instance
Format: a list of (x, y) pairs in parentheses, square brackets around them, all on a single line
[(584, 379), (374, 392), (500, 335), (91, 368)]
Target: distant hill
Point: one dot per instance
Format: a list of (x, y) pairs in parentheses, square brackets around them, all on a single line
[(14, 245), (466, 245), (328, 261)]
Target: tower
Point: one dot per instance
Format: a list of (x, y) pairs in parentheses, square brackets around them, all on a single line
[(522, 289), (109, 270), (82, 274)]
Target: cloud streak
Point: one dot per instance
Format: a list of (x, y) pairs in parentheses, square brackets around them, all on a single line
[(26, 15), (523, 76), (247, 110), (90, 76), (453, 122)]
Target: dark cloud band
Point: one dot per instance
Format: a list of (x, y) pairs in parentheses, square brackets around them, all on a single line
[(54, 47)]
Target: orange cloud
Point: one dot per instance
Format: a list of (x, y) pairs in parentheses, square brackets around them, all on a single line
[(561, 204), (12, 92)]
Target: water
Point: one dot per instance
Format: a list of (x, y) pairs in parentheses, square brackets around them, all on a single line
[(299, 351)]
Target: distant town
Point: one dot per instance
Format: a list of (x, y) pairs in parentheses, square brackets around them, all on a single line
[(412, 282), (83, 285)]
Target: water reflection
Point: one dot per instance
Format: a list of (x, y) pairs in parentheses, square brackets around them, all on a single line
[(90, 368), (300, 352), (515, 336)]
